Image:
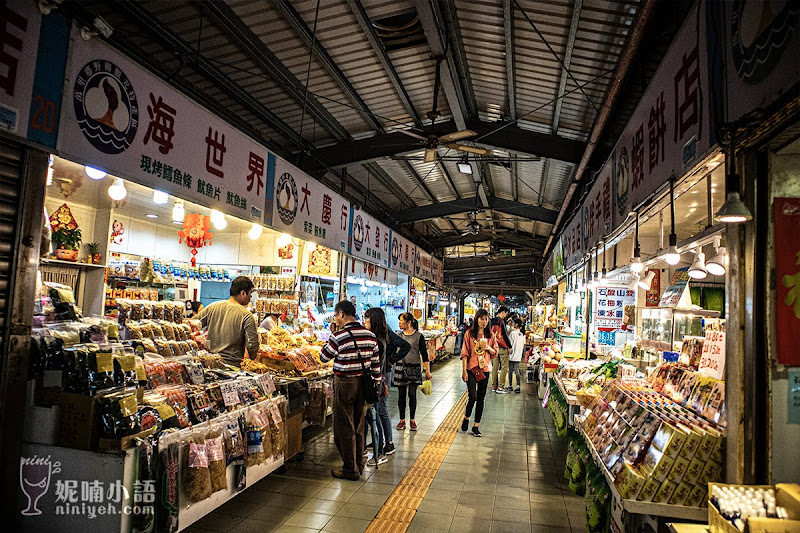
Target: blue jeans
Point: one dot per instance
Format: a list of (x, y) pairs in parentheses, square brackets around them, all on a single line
[(379, 413)]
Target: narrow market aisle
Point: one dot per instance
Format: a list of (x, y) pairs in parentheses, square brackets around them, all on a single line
[(511, 479)]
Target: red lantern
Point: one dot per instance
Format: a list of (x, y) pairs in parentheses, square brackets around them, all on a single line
[(196, 232), (502, 298)]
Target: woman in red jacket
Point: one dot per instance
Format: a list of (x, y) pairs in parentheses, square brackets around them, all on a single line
[(480, 347)]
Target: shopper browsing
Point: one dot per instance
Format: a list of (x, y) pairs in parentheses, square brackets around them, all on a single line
[(270, 321), (480, 347), (231, 327), (354, 350), (408, 371), (503, 344), (392, 349), (515, 357)]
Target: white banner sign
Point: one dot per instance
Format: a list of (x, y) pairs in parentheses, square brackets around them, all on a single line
[(307, 209), (422, 267), (402, 254), (120, 118), (669, 130), (712, 362), (572, 241), (596, 211), (369, 239), (610, 307), (437, 272)]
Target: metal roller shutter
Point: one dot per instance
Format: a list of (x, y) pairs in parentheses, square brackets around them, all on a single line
[(11, 163)]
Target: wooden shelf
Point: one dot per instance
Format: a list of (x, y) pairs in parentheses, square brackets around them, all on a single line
[(74, 264)]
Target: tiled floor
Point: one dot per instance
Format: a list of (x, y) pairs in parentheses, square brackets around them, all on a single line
[(511, 480)]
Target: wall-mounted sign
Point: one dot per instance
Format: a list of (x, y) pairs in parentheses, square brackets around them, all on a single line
[(610, 307), (712, 360), (596, 211), (401, 253), (437, 271), (369, 239), (787, 265), (422, 267)]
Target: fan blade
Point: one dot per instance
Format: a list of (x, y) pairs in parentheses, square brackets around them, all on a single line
[(470, 149), (430, 155), (456, 136), (411, 134)]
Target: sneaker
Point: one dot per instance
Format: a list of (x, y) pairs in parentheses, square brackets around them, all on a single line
[(401, 425), (382, 459), (476, 431), (494, 389), (388, 449), (413, 426), (366, 452), (517, 391), (339, 474), (509, 389), (502, 391), (465, 424)]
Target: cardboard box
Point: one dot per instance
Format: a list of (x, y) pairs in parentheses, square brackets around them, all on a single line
[(787, 495), (77, 423), (681, 494), (665, 491), (649, 490), (679, 468)]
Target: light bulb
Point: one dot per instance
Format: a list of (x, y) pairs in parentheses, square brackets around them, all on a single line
[(160, 197), (283, 239), (95, 173), (604, 277), (178, 212), (255, 231), (117, 190), (672, 257), (733, 210), (636, 263), (719, 263), (218, 219), (698, 268)]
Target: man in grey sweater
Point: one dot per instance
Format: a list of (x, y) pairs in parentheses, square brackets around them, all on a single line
[(231, 327)]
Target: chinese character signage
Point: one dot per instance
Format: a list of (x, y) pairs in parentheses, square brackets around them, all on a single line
[(437, 271), (402, 254), (572, 241), (305, 208), (122, 119), (670, 129), (372, 272), (596, 210), (712, 362), (610, 306), (422, 268), (787, 266), (369, 239), (547, 269)]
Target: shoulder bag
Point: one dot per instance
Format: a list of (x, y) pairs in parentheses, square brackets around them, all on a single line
[(367, 383)]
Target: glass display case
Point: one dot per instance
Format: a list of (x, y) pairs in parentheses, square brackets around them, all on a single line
[(663, 328)]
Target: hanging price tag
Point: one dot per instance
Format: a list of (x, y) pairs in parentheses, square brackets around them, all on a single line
[(712, 362), (265, 380), (275, 412), (230, 393)]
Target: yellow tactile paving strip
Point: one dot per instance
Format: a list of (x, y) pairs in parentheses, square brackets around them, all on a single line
[(396, 514)]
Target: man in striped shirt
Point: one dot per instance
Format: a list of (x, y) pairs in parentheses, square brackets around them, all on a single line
[(354, 350)]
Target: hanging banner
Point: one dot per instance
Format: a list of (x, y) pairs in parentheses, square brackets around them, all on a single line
[(120, 118), (787, 265), (369, 239), (422, 266), (369, 271), (610, 308), (402, 254), (437, 271), (572, 241), (547, 269), (307, 209), (558, 259), (596, 211), (669, 131)]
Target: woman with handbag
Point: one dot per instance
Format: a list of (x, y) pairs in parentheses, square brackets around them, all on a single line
[(408, 371), (480, 347)]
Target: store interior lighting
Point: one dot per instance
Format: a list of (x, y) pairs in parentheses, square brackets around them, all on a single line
[(117, 191), (718, 265), (464, 167), (283, 239), (151, 215), (733, 211), (160, 197), (636, 263), (255, 231), (178, 212), (218, 219), (647, 281), (672, 257), (698, 268), (95, 173)]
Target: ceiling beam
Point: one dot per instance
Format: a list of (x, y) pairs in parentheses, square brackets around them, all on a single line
[(467, 205), (511, 138), (508, 31), (227, 19), (369, 32), (464, 264), (520, 241), (486, 288), (562, 84)]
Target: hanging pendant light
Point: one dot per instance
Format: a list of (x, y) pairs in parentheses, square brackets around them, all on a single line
[(636, 263), (646, 282), (733, 211), (718, 265), (604, 275), (672, 257), (698, 268), (178, 212), (255, 231), (94, 173), (117, 191), (160, 197)]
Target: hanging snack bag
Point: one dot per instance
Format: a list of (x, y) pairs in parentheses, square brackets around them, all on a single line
[(198, 404), (266, 431), (235, 442), (101, 368), (255, 438), (215, 451), (125, 370), (117, 409), (167, 483), (216, 402), (176, 398), (195, 476)]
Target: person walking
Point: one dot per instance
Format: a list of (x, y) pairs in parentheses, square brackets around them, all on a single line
[(355, 351), (408, 371), (480, 347), (503, 344), (392, 349), (515, 356)]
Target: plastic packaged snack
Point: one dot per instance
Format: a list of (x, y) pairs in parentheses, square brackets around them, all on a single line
[(117, 410), (157, 331), (215, 451), (235, 443), (194, 472), (168, 330), (255, 437), (163, 348), (158, 311), (199, 408)]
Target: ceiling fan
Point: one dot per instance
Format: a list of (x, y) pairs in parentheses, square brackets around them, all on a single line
[(475, 228), (432, 142)]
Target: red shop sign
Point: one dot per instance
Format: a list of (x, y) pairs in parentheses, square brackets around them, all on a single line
[(787, 263)]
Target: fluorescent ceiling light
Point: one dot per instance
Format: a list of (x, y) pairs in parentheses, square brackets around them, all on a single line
[(465, 168), (151, 215)]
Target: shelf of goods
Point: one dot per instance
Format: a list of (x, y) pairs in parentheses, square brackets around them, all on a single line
[(75, 264)]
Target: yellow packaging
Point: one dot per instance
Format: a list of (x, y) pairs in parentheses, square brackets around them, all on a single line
[(708, 445), (675, 443), (697, 496), (663, 435), (678, 469), (716, 452), (694, 470), (664, 492), (710, 472), (694, 438), (636, 481), (656, 464), (648, 490), (681, 494)]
